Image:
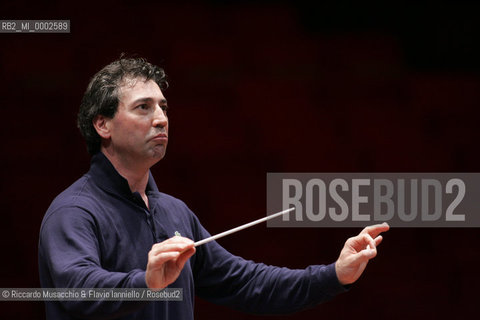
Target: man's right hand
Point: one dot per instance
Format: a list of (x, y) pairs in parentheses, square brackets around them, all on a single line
[(166, 261)]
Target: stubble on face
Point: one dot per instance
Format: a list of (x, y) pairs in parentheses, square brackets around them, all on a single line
[(140, 119)]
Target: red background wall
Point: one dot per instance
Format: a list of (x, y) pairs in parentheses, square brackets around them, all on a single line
[(257, 87)]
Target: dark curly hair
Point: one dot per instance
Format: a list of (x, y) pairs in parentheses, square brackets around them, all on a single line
[(101, 97)]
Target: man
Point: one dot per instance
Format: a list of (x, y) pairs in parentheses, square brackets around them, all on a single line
[(113, 229)]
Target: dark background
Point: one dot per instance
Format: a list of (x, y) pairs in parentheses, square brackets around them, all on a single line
[(257, 87)]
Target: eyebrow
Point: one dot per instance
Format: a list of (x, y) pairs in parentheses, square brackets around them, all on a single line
[(162, 101)]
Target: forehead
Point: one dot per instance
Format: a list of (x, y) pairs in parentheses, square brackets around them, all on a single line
[(132, 89)]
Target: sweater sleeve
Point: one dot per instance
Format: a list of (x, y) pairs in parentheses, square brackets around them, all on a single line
[(69, 257), (229, 280)]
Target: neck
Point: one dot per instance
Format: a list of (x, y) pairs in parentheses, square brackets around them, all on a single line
[(136, 176)]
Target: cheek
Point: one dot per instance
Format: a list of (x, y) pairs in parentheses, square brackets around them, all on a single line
[(128, 131)]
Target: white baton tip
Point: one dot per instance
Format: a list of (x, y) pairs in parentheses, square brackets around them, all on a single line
[(244, 226)]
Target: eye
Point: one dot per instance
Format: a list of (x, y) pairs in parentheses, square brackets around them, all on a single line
[(143, 106), (164, 107)]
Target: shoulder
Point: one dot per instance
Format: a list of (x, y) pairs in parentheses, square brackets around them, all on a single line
[(76, 201)]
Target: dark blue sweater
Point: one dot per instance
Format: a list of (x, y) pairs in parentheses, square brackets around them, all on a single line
[(97, 234)]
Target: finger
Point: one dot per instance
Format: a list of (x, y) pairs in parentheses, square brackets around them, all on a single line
[(183, 258), (370, 250), (362, 257), (375, 230), (368, 254), (174, 245), (175, 239), (160, 259), (378, 240), (361, 242)]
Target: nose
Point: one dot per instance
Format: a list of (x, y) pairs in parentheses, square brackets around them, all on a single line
[(160, 117)]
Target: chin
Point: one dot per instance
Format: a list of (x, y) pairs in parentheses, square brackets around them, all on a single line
[(158, 154)]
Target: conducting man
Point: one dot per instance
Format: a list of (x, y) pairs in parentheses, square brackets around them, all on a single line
[(112, 228)]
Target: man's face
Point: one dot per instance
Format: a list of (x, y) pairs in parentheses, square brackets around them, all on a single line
[(139, 129)]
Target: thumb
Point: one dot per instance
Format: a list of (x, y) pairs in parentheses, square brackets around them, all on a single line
[(363, 256)]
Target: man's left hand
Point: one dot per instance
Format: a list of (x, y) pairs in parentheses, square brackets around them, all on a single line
[(357, 252)]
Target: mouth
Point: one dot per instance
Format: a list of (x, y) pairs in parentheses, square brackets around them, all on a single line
[(161, 137)]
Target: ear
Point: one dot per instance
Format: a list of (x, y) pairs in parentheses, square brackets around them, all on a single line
[(101, 124)]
